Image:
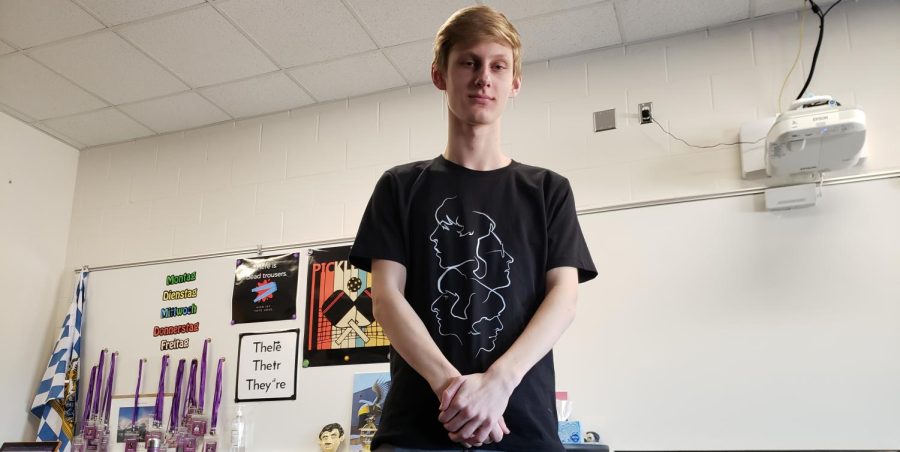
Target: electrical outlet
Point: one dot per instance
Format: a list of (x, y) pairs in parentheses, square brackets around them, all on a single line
[(646, 112)]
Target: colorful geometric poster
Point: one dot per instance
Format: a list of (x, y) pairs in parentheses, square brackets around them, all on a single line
[(340, 327), (370, 389), (265, 289)]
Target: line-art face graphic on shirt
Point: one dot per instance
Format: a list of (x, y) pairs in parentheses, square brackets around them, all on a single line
[(475, 268)]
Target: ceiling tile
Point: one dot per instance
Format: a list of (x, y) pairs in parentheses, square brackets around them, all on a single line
[(109, 67), (645, 19), (58, 136), (413, 60), (200, 46), (274, 92), (38, 92), (115, 12), (517, 9), (178, 112), (297, 32), (395, 22), (4, 48), (346, 78), (568, 32), (16, 114), (98, 127), (27, 23)]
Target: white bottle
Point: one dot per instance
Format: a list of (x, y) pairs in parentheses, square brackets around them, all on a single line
[(238, 439)]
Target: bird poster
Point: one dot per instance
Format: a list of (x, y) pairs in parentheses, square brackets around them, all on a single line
[(370, 389), (339, 325)]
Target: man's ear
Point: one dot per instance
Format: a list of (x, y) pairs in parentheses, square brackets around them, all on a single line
[(437, 77), (516, 86)]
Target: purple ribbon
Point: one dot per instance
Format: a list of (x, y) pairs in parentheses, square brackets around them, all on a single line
[(90, 395), (160, 392), (217, 398), (107, 402), (192, 385), (176, 399), (96, 409), (137, 392), (202, 395)]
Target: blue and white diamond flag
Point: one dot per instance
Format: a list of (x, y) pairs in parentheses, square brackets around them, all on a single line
[(57, 395)]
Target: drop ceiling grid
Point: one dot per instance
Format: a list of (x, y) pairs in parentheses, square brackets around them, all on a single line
[(240, 58), (6, 48)]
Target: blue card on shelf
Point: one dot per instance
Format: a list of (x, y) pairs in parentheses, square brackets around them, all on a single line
[(569, 432)]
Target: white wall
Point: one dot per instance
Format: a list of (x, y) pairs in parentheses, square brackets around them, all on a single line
[(37, 185), (306, 174)]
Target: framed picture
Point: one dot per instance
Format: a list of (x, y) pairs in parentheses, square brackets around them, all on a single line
[(265, 288), (340, 326), (267, 366), (122, 413), (42, 446), (370, 389)]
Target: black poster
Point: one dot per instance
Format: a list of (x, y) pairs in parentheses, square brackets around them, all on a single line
[(265, 289), (340, 327)]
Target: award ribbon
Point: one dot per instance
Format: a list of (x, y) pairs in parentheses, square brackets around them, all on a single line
[(96, 409), (192, 385), (107, 402), (202, 396), (137, 391), (90, 395), (217, 398), (176, 399), (160, 392)]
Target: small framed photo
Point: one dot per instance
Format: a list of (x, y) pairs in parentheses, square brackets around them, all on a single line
[(122, 413)]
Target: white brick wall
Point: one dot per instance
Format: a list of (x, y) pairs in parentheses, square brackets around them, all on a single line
[(307, 174)]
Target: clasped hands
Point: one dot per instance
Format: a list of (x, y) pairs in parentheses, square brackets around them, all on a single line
[(472, 408)]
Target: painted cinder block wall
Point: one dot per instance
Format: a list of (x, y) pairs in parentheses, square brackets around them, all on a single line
[(305, 175)]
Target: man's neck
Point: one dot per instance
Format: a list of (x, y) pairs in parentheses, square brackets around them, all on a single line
[(476, 147)]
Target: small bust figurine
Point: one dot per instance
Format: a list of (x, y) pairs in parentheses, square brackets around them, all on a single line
[(331, 437)]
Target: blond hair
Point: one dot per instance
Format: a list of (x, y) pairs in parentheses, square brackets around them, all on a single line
[(474, 24)]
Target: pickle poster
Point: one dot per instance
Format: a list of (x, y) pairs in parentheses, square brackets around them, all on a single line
[(339, 325)]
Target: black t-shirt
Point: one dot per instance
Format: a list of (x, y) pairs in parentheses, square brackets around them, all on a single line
[(476, 246)]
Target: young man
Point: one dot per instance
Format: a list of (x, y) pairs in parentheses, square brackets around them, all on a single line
[(475, 260)]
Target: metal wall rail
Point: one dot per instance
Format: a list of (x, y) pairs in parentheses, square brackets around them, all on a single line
[(635, 205)]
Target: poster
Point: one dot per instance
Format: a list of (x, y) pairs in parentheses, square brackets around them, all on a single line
[(267, 366), (340, 327), (370, 389), (265, 289)]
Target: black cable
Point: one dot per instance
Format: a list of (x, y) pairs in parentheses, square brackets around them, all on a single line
[(704, 147), (812, 69)]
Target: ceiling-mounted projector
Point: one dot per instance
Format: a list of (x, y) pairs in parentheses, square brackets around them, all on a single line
[(815, 135)]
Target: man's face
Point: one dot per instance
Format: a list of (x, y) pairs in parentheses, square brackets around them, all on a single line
[(330, 440), (479, 81)]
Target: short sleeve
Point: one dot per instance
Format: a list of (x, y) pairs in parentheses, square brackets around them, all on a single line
[(567, 247), (380, 234)]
